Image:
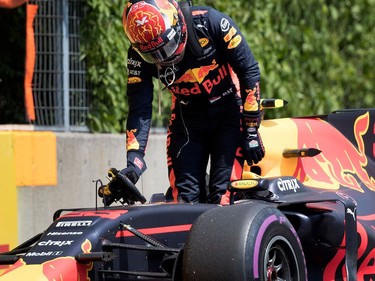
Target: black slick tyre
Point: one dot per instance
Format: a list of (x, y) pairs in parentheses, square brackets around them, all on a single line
[(249, 241)]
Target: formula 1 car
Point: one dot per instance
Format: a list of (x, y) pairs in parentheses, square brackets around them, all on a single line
[(305, 212)]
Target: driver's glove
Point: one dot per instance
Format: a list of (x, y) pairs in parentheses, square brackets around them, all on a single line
[(253, 149), (135, 166), (252, 145)]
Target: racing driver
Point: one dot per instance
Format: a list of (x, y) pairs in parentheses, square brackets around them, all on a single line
[(203, 59)]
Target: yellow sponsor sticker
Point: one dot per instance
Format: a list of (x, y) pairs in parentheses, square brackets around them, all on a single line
[(203, 41), (133, 80), (243, 184), (230, 34), (235, 42)]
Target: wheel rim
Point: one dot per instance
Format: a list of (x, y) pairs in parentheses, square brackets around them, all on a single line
[(280, 261)]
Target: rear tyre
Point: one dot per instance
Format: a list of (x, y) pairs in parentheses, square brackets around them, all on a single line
[(250, 241)]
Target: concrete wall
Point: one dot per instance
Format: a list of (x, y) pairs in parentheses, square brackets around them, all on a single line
[(81, 159)]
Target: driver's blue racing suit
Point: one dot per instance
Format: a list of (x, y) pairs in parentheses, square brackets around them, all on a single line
[(209, 95)]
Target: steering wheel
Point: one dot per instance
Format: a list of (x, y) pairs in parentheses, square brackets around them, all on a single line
[(120, 188), (134, 193)]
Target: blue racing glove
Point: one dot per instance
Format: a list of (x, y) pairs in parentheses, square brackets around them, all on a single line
[(135, 166)]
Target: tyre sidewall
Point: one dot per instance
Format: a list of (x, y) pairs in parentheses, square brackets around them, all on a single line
[(270, 224)]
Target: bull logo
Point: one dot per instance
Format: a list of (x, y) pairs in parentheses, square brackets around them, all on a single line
[(337, 165)]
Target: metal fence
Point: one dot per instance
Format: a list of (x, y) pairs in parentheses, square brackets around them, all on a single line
[(61, 96)]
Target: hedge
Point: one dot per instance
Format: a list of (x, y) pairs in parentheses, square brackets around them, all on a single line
[(316, 54)]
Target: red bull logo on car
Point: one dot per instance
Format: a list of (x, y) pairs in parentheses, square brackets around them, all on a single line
[(366, 267), (62, 269), (335, 166)]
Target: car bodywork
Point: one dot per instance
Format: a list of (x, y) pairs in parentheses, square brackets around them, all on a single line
[(319, 172)]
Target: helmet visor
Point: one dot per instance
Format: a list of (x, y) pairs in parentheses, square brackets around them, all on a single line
[(161, 48)]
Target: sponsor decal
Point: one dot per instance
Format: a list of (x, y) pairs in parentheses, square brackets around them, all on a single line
[(227, 92), (202, 26), (44, 254), (251, 102), (230, 34), (134, 80), (134, 72), (336, 165), (171, 34), (197, 74), (131, 140), (235, 42), (203, 42), (138, 162), (245, 184), (214, 99), (55, 243), (351, 212), (169, 75), (58, 268), (224, 25), (253, 144), (289, 184), (67, 268), (74, 223), (154, 44), (366, 254), (169, 72), (197, 77), (134, 63), (56, 233)]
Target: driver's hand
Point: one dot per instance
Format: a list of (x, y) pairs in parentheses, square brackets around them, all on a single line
[(135, 166), (131, 173), (253, 149), (122, 187)]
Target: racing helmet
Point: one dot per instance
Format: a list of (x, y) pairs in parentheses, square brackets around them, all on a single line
[(156, 29)]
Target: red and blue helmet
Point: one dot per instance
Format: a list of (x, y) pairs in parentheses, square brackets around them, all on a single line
[(156, 30)]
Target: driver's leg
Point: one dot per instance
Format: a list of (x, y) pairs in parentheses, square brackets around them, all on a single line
[(187, 162)]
